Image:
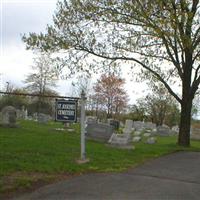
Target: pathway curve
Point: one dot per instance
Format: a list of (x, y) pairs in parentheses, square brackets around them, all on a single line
[(175, 176)]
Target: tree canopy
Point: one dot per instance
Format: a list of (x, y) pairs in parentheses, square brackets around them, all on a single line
[(162, 37)]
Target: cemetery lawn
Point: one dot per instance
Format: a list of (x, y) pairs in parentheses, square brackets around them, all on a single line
[(36, 154)]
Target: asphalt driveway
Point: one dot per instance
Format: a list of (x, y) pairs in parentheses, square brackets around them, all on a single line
[(175, 176)]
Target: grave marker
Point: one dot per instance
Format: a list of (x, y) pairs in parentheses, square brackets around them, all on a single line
[(9, 116), (99, 131)]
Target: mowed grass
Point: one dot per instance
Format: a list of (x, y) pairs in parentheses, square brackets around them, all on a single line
[(38, 152)]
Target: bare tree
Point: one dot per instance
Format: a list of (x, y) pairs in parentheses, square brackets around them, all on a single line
[(42, 81), (44, 75)]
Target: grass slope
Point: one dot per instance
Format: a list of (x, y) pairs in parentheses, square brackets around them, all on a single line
[(37, 152)]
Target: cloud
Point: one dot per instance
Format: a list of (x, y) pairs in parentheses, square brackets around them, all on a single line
[(19, 17), (24, 16)]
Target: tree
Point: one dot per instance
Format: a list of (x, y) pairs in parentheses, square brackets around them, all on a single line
[(16, 101), (81, 83), (44, 76), (162, 37), (173, 115), (42, 104), (109, 92), (160, 107), (136, 112), (41, 82)]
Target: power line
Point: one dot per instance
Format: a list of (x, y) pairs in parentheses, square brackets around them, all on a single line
[(38, 95)]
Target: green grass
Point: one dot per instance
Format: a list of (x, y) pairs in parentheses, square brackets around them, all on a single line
[(35, 152)]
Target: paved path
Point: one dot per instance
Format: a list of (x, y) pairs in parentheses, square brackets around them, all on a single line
[(175, 176)]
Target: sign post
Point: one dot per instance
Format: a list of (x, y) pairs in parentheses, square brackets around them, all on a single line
[(83, 98), (66, 111)]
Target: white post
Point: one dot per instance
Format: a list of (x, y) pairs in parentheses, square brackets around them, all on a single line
[(83, 98)]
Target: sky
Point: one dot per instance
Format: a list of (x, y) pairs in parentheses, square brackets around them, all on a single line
[(18, 17)]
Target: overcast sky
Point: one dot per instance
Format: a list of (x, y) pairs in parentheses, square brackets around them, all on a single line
[(19, 17), (24, 16)]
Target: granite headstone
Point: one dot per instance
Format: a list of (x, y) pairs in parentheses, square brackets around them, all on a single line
[(99, 131)]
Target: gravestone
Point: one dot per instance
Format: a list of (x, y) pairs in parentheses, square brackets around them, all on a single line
[(71, 130), (99, 131), (175, 129), (149, 125), (24, 113), (109, 120), (164, 131), (136, 139), (147, 134), (123, 140), (195, 133), (115, 124), (154, 131), (137, 133), (35, 116), (138, 125), (121, 124), (91, 119), (19, 114), (151, 140), (128, 127), (9, 116), (29, 118), (43, 118)]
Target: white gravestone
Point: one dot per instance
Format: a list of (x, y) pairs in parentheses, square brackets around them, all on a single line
[(136, 138), (151, 140)]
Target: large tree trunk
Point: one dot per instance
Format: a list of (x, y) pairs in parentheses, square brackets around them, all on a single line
[(186, 103), (185, 122)]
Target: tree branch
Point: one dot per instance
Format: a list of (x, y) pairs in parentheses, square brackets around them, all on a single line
[(137, 61), (196, 81)]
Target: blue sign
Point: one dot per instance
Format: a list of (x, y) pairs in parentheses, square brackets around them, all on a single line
[(66, 110)]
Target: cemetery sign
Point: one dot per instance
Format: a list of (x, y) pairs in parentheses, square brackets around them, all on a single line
[(66, 110)]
